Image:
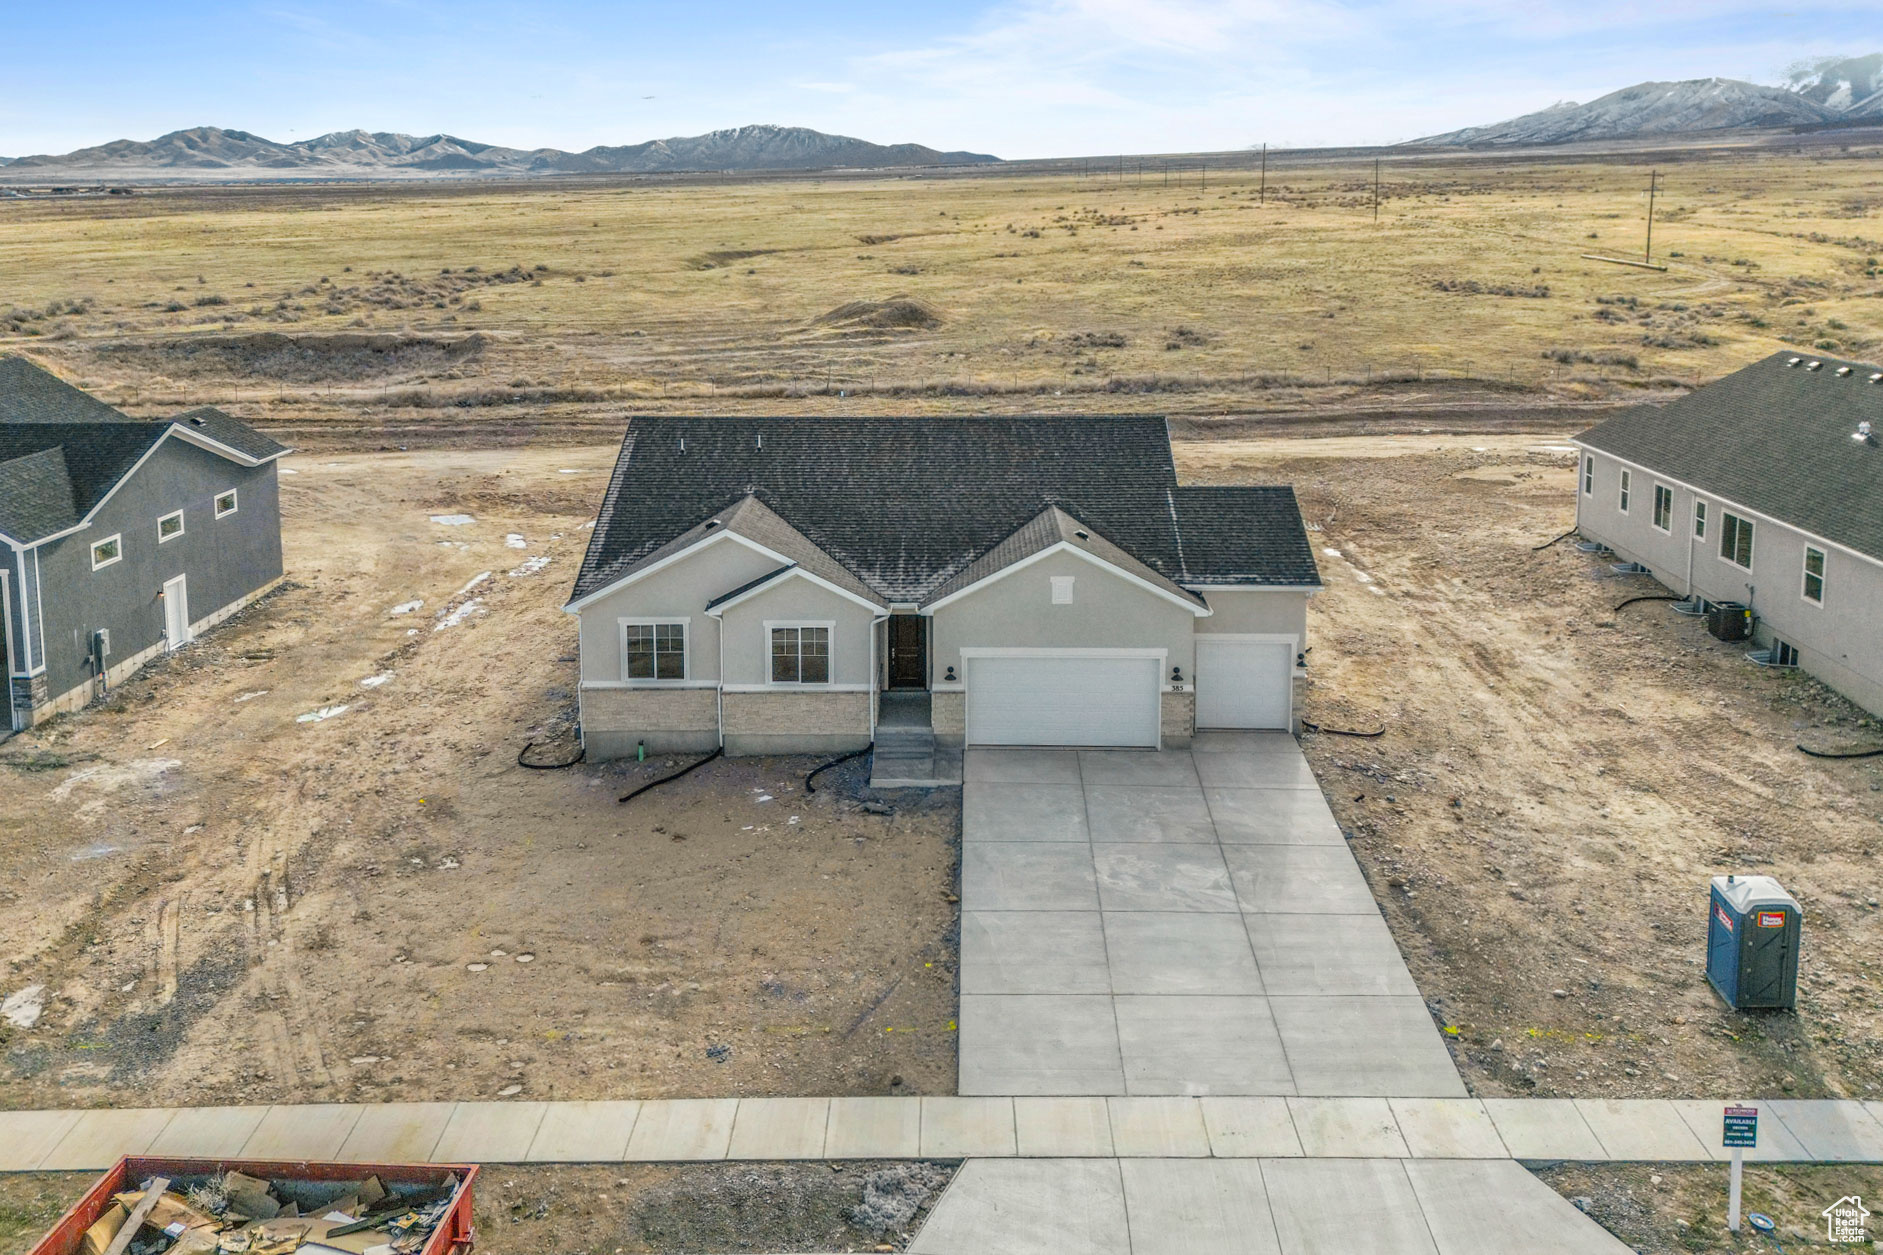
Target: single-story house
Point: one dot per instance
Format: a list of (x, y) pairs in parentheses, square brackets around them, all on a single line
[(120, 537), (760, 584), (1764, 488)]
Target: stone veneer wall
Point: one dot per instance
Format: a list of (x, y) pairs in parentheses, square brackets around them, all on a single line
[(797, 722)]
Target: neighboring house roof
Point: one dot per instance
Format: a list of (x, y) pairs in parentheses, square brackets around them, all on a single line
[(62, 452), (1045, 530), (1775, 438), (904, 506)]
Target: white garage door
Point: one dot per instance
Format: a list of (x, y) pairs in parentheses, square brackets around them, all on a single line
[(1243, 684), (1063, 699)]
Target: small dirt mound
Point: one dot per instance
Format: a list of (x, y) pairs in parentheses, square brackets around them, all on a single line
[(897, 313), (299, 359)]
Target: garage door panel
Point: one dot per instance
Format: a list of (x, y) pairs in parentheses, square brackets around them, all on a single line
[(1243, 684), (1063, 700)]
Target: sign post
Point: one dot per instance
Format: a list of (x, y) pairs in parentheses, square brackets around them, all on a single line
[(1741, 1130)]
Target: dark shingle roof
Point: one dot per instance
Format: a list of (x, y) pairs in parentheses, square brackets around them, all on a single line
[(62, 451), (904, 505), (1237, 535), (1050, 527), (229, 430), (33, 394), (1775, 438)]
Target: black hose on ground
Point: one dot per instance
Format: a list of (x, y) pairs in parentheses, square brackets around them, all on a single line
[(810, 788), (1315, 727), (1652, 597), (653, 784), (1546, 544), (1876, 753), (580, 754)]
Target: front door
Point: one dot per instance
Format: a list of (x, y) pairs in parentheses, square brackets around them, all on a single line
[(176, 612), (908, 651)]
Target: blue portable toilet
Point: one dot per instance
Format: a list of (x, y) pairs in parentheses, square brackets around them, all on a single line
[(1752, 941)]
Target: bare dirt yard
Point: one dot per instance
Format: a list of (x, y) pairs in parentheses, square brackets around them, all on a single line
[(228, 899), (1558, 780), (1674, 1209)]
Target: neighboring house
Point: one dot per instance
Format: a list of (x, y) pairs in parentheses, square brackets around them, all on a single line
[(120, 537), (761, 583), (1764, 488)]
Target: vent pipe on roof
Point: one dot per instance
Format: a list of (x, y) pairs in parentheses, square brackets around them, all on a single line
[(683, 444), (1842, 371), (761, 440), (1793, 361), (1862, 434), (1814, 365)]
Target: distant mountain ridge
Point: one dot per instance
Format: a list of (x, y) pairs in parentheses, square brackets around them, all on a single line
[(1827, 91), (210, 151)]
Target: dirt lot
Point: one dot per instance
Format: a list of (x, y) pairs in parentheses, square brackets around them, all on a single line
[(1558, 781), (633, 1209), (1671, 1209), (226, 904)]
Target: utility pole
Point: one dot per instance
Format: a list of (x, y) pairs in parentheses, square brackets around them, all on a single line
[(1263, 198), (1376, 189), (1648, 253), (1204, 169)]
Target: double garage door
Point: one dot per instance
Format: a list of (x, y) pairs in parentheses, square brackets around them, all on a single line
[(1070, 698)]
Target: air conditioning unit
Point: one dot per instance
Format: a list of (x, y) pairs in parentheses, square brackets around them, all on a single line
[(1730, 621)]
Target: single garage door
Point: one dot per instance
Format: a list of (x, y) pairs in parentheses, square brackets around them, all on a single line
[(1243, 684), (1063, 699)]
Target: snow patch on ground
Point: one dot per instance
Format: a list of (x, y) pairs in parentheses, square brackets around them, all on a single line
[(374, 681), (532, 566), (23, 1009), (474, 582), (249, 697), (107, 777), (514, 541), (452, 520), (474, 606), (289, 471), (407, 607), (322, 715), (568, 470)]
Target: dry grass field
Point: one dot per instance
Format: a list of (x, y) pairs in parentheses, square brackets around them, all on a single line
[(494, 311)]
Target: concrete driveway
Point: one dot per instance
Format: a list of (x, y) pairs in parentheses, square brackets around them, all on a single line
[(1182, 922)]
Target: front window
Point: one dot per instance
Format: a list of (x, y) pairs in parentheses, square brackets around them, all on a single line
[(800, 655), (169, 527), (654, 651), (107, 551), (1627, 482), (1588, 476), (225, 503), (1664, 507), (1699, 520), (1736, 540), (1814, 575)]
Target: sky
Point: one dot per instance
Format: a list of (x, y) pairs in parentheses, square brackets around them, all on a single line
[(1020, 78)]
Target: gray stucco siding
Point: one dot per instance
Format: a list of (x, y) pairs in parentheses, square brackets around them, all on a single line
[(793, 600), (1252, 612), (1840, 641), (1017, 611), (678, 591), (223, 559)]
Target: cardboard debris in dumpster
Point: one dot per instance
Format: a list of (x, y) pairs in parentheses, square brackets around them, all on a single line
[(205, 1207)]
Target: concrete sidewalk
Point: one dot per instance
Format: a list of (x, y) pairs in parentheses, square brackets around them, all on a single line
[(1255, 1207), (1184, 922), (715, 1129)]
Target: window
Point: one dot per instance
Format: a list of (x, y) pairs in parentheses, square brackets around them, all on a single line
[(1814, 575), (800, 655), (107, 551), (225, 503), (169, 527), (1784, 654), (1588, 476), (1627, 482), (1699, 520), (654, 651), (1736, 539), (1664, 507), (1062, 590)]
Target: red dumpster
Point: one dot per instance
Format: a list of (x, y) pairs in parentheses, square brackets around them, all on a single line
[(317, 1183)]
